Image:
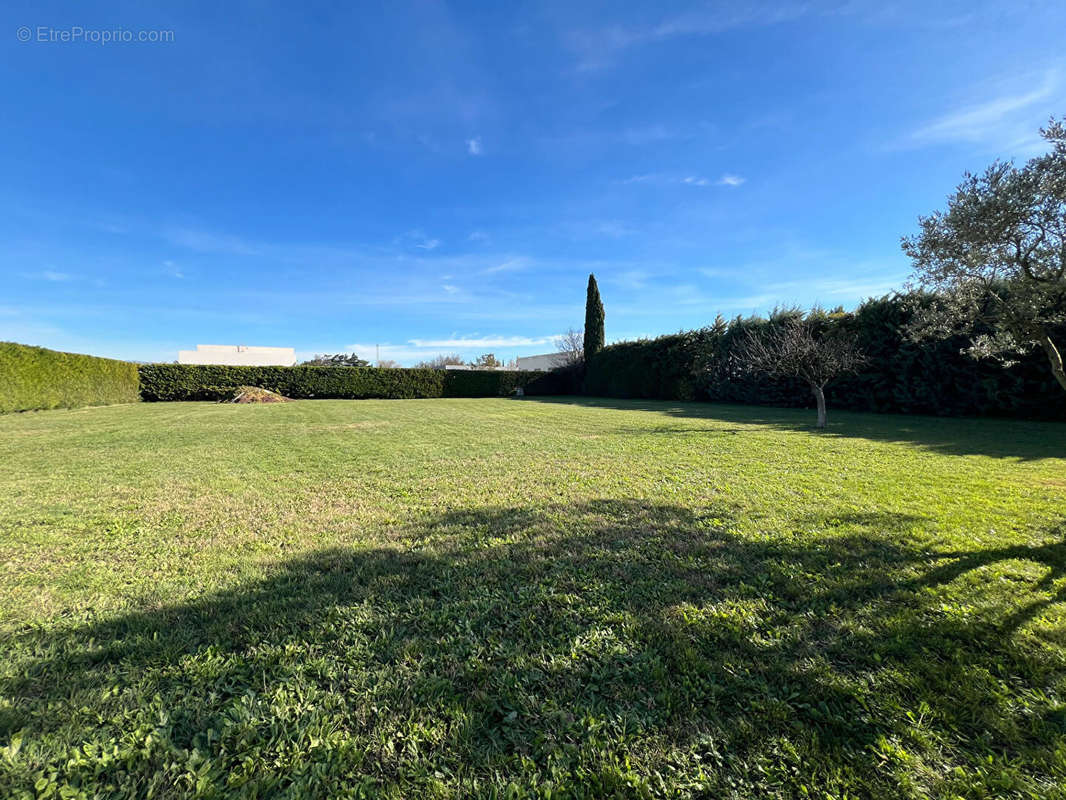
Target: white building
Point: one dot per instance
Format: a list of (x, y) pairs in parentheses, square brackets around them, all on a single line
[(234, 355), (541, 363)]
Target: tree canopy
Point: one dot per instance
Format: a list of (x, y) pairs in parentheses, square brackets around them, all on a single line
[(995, 260), (337, 360), (794, 348)]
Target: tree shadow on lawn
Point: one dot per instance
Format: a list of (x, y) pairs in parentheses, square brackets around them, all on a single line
[(609, 648), (996, 437)]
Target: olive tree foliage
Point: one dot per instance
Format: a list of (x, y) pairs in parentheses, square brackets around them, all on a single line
[(571, 349), (794, 348), (487, 361), (995, 260), (337, 360), (440, 362)]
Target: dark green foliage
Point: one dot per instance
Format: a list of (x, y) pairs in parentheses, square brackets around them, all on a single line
[(594, 335), (930, 376), (203, 382), (35, 378), (336, 360)]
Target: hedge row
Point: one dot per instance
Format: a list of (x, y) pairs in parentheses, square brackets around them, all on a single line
[(901, 376), (35, 378), (204, 382)]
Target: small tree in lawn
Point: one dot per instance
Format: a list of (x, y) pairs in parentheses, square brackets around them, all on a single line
[(794, 349), (995, 261), (594, 335)]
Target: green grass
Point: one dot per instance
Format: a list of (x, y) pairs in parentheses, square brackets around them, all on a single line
[(452, 598)]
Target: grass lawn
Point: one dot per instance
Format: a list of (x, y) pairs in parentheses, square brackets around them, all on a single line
[(451, 598)]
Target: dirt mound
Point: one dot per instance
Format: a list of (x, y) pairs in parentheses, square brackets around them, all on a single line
[(253, 394)]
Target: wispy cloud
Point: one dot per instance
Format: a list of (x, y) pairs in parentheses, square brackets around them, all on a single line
[(473, 146), (418, 240), (601, 48), (510, 265), (205, 241), (645, 178), (467, 342), (1009, 120), (49, 275), (415, 350), (728, 179)]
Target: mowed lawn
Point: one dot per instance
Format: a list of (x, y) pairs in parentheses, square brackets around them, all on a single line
[(453, 598)]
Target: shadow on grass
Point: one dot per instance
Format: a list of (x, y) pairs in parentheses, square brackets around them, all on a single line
[(606, 649), (999, 438)]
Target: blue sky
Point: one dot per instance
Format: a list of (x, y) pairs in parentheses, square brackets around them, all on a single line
[(439, 177)]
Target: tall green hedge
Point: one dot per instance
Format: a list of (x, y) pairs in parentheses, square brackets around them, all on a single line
[(901, 376), (35, 378), (204, 382)]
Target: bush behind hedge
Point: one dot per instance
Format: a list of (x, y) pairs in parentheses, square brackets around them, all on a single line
[(33, 378), (211, 382)]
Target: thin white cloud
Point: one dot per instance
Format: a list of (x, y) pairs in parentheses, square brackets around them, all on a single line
[(467, 342), (600, 48), (1009, 120), (418, 240), (421, 349), (449, 288), (614, 229), (204, 241), (728, 179), (473, 146), (510, 265), (49, 275)]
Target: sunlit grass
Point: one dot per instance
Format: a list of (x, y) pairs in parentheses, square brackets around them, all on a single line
[(573, 598)]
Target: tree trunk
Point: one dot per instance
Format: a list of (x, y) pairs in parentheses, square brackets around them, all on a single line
[(819, 395), (1055, 357)]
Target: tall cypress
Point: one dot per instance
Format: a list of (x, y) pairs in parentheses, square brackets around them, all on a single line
[(593, 320)]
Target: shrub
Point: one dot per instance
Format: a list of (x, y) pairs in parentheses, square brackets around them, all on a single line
[(36, 378), (931, 376), (207, 382)]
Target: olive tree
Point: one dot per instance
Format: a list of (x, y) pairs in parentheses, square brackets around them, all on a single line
[(995, 260), (794, 348), (337, 360)]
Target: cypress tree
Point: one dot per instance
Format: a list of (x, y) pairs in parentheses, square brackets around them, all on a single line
[(594, 336)]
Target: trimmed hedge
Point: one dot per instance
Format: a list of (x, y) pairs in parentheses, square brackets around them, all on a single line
[(209, 382), (901, 376), (33, 378)]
